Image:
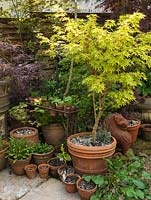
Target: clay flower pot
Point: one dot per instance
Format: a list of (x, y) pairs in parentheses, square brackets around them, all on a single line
[(43, 170), (146, 131), (3, 153), (40, 158), (90, 159), (18, 165), (30, 170), (55, 163), (30, 134), (133, 127), (85, 189), (70, 182)]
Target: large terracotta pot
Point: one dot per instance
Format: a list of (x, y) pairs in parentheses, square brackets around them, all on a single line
[(90, 160), (30, 138), (53, 134)]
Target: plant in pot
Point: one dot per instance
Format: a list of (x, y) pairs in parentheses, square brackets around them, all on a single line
[(52, 129), (42, 152), (30, 134), (19, 155), (59, 161), (3, 152), (126, 179), (19, 115), (133, 127), (116, 56)]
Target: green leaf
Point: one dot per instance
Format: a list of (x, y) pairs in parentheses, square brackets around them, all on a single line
[(146, 175), (140, 184), (140, 194)]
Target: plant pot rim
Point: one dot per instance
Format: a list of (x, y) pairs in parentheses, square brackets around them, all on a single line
[(69, 175), (145, 126), (13, 132), (43, 164), (30, 166), (77, 184), (12, 160), (92, 148), (138, 124), (43, 154)]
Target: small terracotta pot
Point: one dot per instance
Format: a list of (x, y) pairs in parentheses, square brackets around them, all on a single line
[(54, 168), (42, 158), (70, 182), (85, 194), (43, 170), (30, 170), (133, 130)]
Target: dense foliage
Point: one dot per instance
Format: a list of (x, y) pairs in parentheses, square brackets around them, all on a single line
[(126, 179)]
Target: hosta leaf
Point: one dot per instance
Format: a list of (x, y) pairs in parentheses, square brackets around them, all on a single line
[(140, 184)]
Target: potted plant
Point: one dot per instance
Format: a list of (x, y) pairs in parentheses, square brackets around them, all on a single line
[(85, 189), (59, 161), (114, 69), (19, 115), (30, 134), (70, 182), (3, 152), (133, 127), (19, 155), (52, 129), (42, 152), (30, 170)]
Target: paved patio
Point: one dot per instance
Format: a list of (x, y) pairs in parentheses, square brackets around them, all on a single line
[(14, 187)]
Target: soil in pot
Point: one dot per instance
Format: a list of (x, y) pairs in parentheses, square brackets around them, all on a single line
[(65, 170), (30, 170), (70, 182), (85, 189), (55, 163), (43, 170), (30, 134)]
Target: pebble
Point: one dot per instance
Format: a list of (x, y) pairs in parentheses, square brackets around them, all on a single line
[(24, 132)]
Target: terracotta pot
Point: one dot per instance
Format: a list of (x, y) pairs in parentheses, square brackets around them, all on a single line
[(146, 131), (43, 170), (3, 159), (85, 194), (30, 138), (55, 164), (42, 158), (70, 182), (53, 134), (65, 170), (90, 160), (134, 129), (30, 170), (18, 165)]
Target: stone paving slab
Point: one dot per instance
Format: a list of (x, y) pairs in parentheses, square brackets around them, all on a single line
[(49, 190), (14, 187)]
